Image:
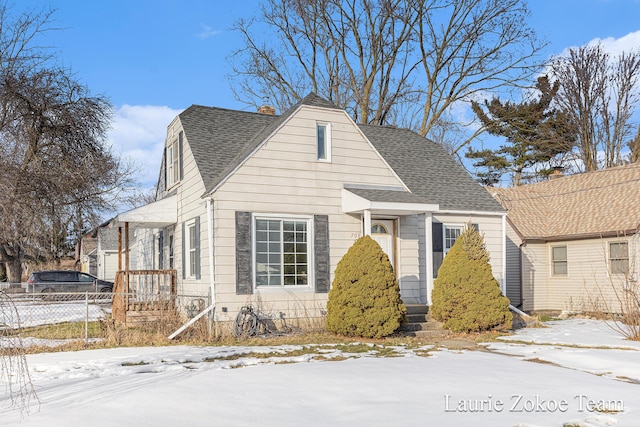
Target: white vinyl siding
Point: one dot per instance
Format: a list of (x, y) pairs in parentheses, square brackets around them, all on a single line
[(284, 177), (588, 281)]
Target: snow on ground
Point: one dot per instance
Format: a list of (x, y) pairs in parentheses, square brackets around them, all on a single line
[(288, 386), (30, 313)]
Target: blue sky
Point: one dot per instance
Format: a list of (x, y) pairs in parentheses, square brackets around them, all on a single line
[(155, 58)]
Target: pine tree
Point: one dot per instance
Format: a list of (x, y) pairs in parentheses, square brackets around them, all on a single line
[(535, 134), (466, 297), (364, 300)]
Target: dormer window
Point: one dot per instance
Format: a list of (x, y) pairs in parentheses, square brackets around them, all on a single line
[(324, 142), (174, 153)]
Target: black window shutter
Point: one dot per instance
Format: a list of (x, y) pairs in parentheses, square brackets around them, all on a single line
[(243, 254), (164, 167), (437, 246), (476, 227), (161, 250), (197, 242), (180, 138), (321, 253), (184, 251)]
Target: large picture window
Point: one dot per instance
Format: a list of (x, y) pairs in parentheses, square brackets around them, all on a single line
[(282, 252), (618, 257)]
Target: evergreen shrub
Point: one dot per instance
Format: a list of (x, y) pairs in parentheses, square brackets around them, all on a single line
[(364, 300), (466, 297)]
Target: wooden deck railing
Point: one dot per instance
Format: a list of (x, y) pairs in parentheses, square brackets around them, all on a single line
[(143, 291)]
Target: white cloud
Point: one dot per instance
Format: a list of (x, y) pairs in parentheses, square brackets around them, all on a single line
[(614, 46), (207, 32), (626, 43), (138, 133)]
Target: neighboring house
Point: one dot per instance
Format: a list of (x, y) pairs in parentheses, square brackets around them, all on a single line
[(259, 208), (98, 254), (572, 242)]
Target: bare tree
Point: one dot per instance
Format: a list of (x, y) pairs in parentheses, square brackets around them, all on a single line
[(469, 48), (354, 53), (600, 92), (403, 62), (56, 171)]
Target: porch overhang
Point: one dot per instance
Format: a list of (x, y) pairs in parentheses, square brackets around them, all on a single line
[(384, 202), (158, 214)]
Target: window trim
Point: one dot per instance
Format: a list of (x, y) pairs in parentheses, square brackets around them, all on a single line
[(458, 227), (309, 219), (610, 258), (171, 250), (554, 262), (327, 142), (173, 159), (191, 249), (172, 163)]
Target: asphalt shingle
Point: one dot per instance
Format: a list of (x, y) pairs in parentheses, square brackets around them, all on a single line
[(221, 139), (604, 202)]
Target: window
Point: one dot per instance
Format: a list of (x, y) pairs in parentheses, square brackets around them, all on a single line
[(171, 251), (559, 260), (618, 257), (84, 278), (378, 229), (192, 249), (324, 142), (282, 252), (174, 151), (451, 234)]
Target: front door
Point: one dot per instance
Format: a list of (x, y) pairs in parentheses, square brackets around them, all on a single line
[(383, 233)]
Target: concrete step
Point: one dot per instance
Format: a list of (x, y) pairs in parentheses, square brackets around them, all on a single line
[(417, 308), (431, 333), (416, 318), (421, 326)]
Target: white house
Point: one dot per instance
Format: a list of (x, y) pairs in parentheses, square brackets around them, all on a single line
[(572, 242), (259, 208)]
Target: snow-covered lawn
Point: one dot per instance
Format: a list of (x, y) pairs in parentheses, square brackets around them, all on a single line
[(285, 386)]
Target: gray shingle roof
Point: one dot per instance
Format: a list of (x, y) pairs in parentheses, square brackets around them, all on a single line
[(429, 171), (221, 139), (387, 195)]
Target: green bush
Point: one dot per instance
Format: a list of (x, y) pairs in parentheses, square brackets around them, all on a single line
[(364, 300), (466, 297)]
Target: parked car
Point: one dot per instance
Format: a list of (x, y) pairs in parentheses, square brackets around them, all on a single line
[(66, 281)]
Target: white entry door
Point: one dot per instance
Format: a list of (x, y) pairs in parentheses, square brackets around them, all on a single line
[(382, 232)]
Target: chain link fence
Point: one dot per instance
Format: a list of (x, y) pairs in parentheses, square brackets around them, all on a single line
[(85, 316)]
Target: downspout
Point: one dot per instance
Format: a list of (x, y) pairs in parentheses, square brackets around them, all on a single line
[(504, 255), (211, 261), (428, 250)]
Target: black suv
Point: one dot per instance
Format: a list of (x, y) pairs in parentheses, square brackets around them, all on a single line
[(66, 281)]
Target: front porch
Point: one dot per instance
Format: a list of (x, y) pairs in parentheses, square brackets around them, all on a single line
[(143, 295)]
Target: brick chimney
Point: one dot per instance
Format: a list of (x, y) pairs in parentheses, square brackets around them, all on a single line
[(267, 109), (558, 172)]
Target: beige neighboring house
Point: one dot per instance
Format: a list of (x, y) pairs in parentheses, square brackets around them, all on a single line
[(254, 207), (572, 241)]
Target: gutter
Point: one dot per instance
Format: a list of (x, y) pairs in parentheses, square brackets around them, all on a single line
[(210, 241)]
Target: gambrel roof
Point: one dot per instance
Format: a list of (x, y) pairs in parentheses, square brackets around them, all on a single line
[(222, 139), (602, 203)]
